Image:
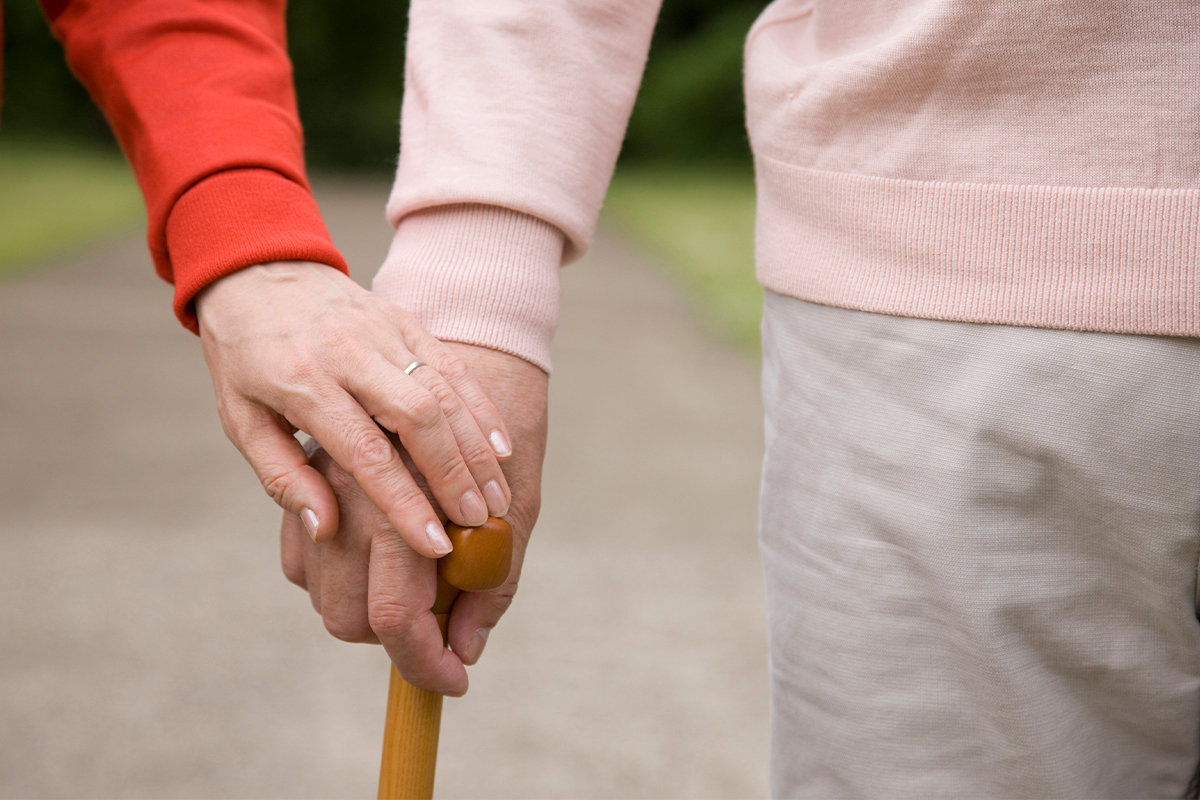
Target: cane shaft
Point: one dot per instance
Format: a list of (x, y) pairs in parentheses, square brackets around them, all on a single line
[(410, 742), (481, 560), (410, 732)]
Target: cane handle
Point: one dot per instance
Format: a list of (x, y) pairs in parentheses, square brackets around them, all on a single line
[(480, 561)]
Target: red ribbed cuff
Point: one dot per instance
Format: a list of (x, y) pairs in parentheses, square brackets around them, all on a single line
[(236, 219)]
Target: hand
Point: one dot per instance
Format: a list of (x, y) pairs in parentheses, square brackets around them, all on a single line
[(370, 587), (299, 346)]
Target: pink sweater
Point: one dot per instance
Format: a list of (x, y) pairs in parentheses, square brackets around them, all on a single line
[(1027, 164)]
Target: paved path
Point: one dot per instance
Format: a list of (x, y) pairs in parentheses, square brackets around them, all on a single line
[(150, 647)]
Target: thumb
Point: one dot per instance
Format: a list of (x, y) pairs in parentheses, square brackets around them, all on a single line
[(474, 616)]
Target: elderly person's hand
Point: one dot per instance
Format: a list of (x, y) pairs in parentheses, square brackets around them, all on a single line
[(369, 586), (299, 346)]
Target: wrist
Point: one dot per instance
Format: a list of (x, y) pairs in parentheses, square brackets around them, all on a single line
[(259, 284), (235, 218)]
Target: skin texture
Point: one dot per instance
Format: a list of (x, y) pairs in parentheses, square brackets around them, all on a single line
[(369, 586), (299, 346)]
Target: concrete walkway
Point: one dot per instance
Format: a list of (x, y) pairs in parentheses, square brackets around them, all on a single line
[(150, 647)]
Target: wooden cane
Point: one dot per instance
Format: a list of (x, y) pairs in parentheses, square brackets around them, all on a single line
[(481, 560)]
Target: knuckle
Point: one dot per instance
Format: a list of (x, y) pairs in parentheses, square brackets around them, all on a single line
[(370, 449), (278, 485), (502, 598), (451, 367), (297, 371), (344, 614), (494, 608), (478, 454), (408, 502), (408, 325), (241, 420), (293, 570), (348, 629), (450, 470), (390, 620), (423, 411), (341, 338), (295, 379), (445, 395)]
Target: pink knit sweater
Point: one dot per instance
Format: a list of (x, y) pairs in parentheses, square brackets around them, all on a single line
[(1033, 163)]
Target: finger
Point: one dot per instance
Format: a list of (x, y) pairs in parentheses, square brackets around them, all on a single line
[(478, 455), (456, 373), (401, 592), (282, 467), (404, 406), (344, 561), (292, 538), (475, 614), (312, 573), (344, 582), (357, 444)]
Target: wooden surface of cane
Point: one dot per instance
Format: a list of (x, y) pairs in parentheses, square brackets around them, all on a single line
[(481, 560)]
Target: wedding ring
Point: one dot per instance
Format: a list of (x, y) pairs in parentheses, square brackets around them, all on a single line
[(413, 367)]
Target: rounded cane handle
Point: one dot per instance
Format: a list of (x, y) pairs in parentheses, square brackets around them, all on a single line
[(481, 558), (480, 561)]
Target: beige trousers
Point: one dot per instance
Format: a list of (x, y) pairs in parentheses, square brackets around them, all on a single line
[(980, 545)]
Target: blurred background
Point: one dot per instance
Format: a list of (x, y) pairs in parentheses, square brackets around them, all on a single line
[(673, 662), (349, 72), (684, 187)]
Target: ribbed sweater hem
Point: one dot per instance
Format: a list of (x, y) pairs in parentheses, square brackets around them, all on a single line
[(478, 274), (1111, 259)]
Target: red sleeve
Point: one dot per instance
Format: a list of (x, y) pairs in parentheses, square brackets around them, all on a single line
[(199, 94)]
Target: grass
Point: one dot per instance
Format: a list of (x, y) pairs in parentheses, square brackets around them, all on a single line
[(701, 224), (55, 198)]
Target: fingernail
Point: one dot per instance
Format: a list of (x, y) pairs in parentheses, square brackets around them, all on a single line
[(473, 510), (475, 648), (438, 539), (311, 522), (497, 505), (500, 444)]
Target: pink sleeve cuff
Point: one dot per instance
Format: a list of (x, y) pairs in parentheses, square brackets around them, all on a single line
[(480, 275)]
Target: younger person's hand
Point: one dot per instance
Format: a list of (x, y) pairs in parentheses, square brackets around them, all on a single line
[(299, 346)]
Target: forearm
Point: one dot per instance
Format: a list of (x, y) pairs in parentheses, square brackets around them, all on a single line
[(519, 104), (199, 94), (508, 105)]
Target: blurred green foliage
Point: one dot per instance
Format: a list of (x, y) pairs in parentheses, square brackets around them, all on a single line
[(348, 60), (690, 107), (349, 66), (42, 99), (55, 199), (700, 222)]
